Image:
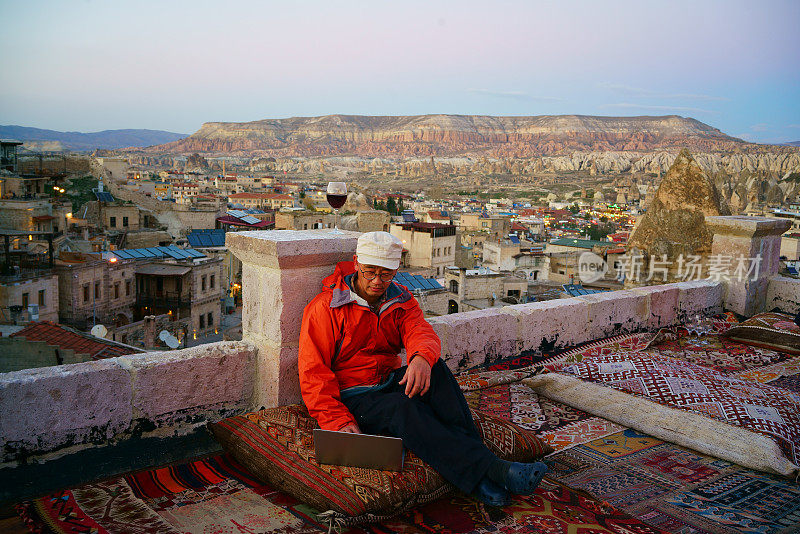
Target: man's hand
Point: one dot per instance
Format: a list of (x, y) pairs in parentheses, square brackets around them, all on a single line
[(418, 377), (352, 428)]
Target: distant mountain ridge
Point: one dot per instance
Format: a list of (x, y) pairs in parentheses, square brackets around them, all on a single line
[(423, 135), (40, 139)]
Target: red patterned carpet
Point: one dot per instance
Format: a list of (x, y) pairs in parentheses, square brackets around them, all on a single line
[(216, 495), (604, 477)]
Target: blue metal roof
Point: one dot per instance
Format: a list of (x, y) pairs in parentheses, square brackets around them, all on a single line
[(514, 239), (416, 282), (157, 252), (575, 290), (214, 237), (791, 270)]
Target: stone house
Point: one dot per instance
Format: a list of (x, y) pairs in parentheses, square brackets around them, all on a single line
[(428, 244), (92, 290)]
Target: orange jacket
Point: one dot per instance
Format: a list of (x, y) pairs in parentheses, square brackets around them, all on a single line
[(345, 344)]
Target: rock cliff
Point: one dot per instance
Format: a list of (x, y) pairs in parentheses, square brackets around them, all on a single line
[(441, 135)]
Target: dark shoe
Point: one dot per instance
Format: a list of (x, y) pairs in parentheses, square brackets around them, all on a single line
[(522, 479), (490, 493)]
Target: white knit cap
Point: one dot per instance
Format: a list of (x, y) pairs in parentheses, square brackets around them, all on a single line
[(379, 248)]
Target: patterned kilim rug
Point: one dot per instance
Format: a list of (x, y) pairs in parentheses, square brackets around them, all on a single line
[(665, 485), (676, 489), (216, 495)]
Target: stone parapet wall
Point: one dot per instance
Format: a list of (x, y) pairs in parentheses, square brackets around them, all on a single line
[(479, 337), (53, 411)]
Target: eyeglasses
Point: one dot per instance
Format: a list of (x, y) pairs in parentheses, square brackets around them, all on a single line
[(385, 277)]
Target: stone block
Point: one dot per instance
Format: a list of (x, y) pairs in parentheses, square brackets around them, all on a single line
[(172, 386), (277, 377), (281, 249), (550, 324), (783, 293), (274, 299), (700, 297), (48, 408), (615, 312), (662, 308), (748, 297), (476, 337)]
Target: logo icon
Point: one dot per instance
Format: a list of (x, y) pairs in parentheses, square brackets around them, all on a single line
[(591, 267)]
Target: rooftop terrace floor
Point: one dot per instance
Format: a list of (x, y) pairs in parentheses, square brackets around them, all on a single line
[(637, 481)]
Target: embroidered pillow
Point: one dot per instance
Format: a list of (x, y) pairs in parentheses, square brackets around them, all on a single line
[(774, 331), (276, 445)]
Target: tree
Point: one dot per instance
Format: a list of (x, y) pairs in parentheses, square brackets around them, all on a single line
[(574, 209), (391, 206)]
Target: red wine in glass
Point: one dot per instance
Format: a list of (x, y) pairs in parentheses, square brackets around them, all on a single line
[(336, 201), (337, 196)]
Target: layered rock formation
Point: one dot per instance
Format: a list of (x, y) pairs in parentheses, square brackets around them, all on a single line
[(450, 134), (674, 225)]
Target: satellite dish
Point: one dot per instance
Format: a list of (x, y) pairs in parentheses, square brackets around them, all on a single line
[(99, 330), (170, 340)]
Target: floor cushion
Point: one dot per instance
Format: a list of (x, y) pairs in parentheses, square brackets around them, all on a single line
[(276, 445), (752, 424), (774, 331)]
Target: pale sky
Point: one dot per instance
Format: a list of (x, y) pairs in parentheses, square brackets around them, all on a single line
[(92, 65)]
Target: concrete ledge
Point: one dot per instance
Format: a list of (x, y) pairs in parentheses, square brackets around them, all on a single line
[(783, 293), (52, 411)]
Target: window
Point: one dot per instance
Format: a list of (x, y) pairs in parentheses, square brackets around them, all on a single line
[(42, 298), (202, 321), (113, 222), (85, 292), (210, 319), (97, 290), (25, 300), (203, 283), (212, 281), (127, 288), (116, 290), (125, 221)]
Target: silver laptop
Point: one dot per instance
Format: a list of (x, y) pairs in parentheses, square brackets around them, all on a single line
[(358, 450)]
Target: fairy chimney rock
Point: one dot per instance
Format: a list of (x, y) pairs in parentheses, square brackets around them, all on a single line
[(675, 221)]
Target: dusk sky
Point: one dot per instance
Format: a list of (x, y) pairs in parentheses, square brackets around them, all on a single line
[(96, 65)]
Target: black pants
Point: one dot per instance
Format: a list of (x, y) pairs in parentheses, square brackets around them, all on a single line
[(437, 426)]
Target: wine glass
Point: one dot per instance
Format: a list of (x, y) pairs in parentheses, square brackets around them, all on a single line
[(337, 196)]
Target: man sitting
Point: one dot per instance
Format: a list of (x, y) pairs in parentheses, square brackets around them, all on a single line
[(352, 380)]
